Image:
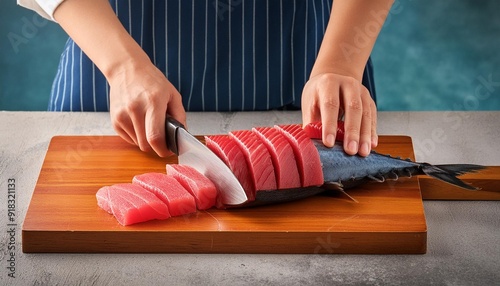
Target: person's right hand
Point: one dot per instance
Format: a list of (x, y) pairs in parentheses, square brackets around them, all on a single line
[(140, 99), (141, 96)]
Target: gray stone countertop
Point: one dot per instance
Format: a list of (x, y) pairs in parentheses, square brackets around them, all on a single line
[(463, 236)]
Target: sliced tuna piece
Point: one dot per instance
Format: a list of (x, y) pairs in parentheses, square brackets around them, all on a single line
[(307, 156), (131, 203), (102, 197), (258, 159), (169, 190), (230, 153), (285, 165), (315, 130), (200, 187)]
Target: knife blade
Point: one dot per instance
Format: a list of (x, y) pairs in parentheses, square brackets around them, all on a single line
[(192, 152)]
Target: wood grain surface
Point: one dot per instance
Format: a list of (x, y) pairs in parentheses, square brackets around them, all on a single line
[(63, 215)]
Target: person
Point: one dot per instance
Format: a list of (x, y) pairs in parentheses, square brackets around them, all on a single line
[(145, 60)]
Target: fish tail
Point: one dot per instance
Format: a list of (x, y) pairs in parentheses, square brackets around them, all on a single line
[(448, 173)]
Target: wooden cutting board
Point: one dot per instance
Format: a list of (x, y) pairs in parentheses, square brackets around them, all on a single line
[(63, 215), (488, 180)]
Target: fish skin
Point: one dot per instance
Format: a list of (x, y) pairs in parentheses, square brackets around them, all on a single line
[(346, 171), (339, 166)]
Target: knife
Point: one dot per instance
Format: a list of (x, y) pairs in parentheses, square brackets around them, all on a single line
[(193, 153)]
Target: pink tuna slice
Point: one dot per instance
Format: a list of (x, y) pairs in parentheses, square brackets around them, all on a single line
[(285, 165), (171, 192), (131, 203), (306, 154), (200, 187), (102, 197), (230, 153), (258, 159)]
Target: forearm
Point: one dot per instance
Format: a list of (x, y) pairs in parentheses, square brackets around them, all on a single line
[(350, 36), (96, 29), (140, 95)]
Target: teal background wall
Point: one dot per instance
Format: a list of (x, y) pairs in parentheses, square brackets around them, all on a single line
[(439, 55), (431, 55), (30, 47)]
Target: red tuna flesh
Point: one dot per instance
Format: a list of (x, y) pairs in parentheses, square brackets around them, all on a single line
[(200, 187), (314, 130), (307, 156), (230, 153), (285, 165), (258, 159), (169, 190), (131, 203)]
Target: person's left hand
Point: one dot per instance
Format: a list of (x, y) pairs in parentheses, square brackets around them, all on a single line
[(327, 97)]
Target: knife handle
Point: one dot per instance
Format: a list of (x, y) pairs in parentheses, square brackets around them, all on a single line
[(171, 126)]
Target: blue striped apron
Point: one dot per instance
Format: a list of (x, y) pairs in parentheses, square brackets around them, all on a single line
[(222, 55)]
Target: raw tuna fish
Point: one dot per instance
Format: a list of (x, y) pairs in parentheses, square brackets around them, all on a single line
[(285, 165), (258, 159), (230, 153), (306, 154), (343, 171), (102, 197), (171, 192), (131, 203), (314, 130), (199, 186)]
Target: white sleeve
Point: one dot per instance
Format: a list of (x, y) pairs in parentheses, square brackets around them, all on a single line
[(45, 8)]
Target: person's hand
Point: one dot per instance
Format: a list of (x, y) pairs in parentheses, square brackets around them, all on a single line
[(140, 99), (140, 96), (327, 97)]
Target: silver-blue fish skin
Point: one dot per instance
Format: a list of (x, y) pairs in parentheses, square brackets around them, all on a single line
[(339, 166)]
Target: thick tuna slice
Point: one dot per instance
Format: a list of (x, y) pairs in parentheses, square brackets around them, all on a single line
[(200, 187), (131, 203), (306, 154), (285, 165), (171, 192), (230, 153), (258, 159)]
